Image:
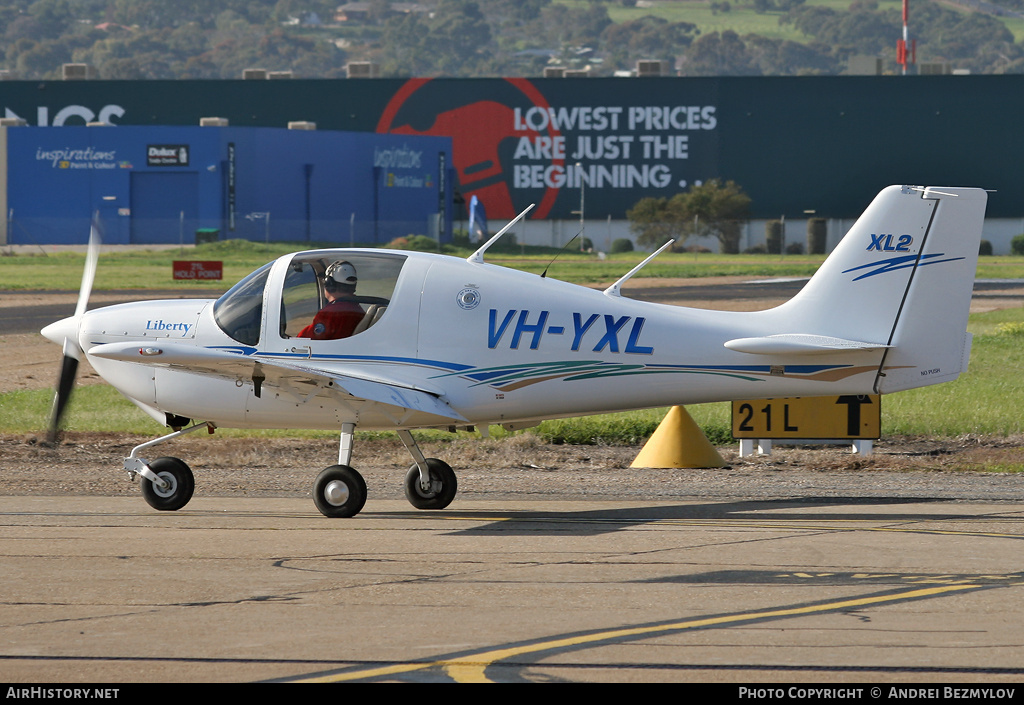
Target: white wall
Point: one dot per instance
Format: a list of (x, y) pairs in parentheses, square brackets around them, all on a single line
[(555, 233)]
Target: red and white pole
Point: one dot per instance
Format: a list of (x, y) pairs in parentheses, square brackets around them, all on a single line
[(904, 45)]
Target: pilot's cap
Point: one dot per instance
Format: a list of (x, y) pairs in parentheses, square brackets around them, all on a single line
[(341, 272)]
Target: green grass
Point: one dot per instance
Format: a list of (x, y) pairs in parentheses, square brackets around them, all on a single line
[(1015, 25), (985, 400), (152, 269), (742, 19), (135, 269)]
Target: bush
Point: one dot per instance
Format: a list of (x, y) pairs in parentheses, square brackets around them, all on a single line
[(1017, 245), (817, 234), (985, 248), (795, 248), (773, 236), (1013, 329), (623, 244)]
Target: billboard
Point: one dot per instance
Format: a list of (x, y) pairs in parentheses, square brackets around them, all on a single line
[(826, 144)]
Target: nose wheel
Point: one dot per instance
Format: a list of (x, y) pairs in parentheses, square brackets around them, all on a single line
[(173, 486)]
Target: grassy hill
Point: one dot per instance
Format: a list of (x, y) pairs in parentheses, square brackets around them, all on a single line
[(742, 18)]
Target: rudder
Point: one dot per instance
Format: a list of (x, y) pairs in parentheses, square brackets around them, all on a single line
[(929, 341)]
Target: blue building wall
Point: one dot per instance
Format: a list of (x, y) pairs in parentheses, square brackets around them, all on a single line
[(159, 184)]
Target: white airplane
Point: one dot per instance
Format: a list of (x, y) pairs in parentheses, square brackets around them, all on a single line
[(443, 342)]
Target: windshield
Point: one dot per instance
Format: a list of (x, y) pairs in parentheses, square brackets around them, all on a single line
[(239, 313)]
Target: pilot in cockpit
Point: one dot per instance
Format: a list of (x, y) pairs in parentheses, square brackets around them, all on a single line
[(341, 314)]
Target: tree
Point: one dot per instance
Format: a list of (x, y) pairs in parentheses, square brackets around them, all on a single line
[(458, 34), (719, 209), (780, 57), (647, 38), (713, 209), (515, 9), (655, 221), (717, 54), (455, 41), (566, 25)]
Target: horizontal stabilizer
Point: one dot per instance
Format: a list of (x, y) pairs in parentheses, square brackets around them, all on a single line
[(799, 344), (278, 373)]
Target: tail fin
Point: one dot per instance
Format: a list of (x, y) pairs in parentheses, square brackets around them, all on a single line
[(900, 281)]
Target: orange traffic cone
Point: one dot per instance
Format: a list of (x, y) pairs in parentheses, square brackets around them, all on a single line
[(678, 442)]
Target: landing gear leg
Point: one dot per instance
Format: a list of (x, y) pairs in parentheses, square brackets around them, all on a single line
[(340, 491), (167, 483), (430, 483)]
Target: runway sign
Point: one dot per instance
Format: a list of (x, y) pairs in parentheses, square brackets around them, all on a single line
[(836, 417), (192, 269)]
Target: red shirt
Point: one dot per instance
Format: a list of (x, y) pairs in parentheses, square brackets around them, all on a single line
[(338, 319)]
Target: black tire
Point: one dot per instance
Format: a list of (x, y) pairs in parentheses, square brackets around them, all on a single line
[(339, 491), (443, 482), (183, 484)]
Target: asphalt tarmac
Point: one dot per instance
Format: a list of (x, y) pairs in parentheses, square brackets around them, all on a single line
[(869, 591), (838, 590)]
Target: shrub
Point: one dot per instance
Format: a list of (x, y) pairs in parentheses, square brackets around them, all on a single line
[(985, 248), (623, 244), (773, 236), (1017, 245), (817, 233), (1014, 329)]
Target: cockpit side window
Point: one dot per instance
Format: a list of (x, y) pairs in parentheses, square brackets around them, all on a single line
[(239, 312), (301, 298), (336, 294)]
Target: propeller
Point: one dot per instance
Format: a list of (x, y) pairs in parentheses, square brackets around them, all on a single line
[(69, 329)]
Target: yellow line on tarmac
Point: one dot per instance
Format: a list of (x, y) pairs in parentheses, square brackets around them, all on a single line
[(472, 668)]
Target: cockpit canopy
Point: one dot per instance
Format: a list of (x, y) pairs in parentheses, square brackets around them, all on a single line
[(303, 293)]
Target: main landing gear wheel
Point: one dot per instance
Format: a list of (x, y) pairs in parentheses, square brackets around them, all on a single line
[(339, 491), (180, 480), (443, 486)]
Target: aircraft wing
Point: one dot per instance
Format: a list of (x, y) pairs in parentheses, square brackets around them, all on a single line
[(301, 379)]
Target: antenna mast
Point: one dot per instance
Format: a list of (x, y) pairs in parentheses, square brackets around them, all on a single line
[(905, 44)]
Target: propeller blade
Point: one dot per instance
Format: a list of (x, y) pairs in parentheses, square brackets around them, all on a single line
[(72, 347), (65, 385), (92, 254)]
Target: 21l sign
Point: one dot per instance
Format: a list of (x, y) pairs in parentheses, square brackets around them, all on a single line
[(839, 417)]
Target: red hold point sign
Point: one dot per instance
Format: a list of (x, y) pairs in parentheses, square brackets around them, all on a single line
[(193, 269)]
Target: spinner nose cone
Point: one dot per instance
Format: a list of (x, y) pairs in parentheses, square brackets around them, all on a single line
[(65, 329)]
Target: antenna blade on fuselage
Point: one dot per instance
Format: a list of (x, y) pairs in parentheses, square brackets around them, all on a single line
[(478, 256), (614, 289)]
